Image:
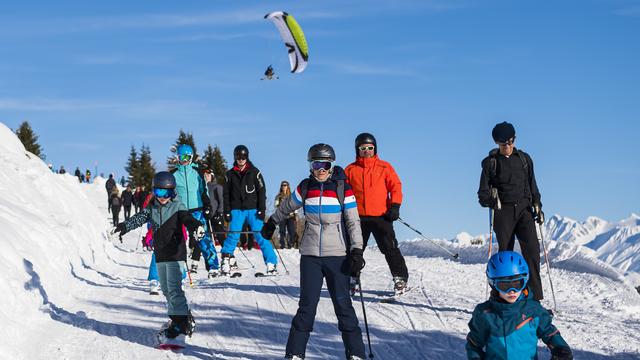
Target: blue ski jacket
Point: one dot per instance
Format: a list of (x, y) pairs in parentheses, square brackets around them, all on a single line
[(499, 330), (191, 187)]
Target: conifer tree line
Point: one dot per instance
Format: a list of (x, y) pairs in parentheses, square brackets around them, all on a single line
[(141, 168), (30, 140)]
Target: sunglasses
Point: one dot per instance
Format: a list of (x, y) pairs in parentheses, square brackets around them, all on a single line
[(284, 185), (321, 165), (184, 157), (241, 158), (162, 193), (364, 148), (507, 285), (508, 142)]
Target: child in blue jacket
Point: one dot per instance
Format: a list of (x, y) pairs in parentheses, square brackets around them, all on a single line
[(509, 324)]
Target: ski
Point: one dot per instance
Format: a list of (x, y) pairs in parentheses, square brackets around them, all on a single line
[(261, 274), (173, 347), (235, 275), (390, 299)]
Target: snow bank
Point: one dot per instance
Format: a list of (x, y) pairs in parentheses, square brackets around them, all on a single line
[(50, 230)]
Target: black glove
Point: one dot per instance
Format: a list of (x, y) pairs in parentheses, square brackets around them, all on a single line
[(260, 215), (561, 353), (538, 214), (217, 218), (268, 229), (227, 217), (356, 262), (208, 214), (393, 213), (120, 228)]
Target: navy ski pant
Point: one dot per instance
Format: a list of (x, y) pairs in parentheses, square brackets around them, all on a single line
[(312, 272), (170, 274)]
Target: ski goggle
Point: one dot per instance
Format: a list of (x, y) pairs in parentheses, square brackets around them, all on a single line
[(508, 142), (162, 193), (364, 148), (184, 157), (507, 285), (241, 157), (321, 165)]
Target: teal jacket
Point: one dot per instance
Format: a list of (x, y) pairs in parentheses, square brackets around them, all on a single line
[(499, 330), (191, 187)]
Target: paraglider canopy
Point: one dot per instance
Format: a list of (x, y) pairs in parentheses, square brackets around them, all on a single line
[(293, 38)]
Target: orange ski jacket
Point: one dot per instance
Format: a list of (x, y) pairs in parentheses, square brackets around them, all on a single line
[(375, 185)]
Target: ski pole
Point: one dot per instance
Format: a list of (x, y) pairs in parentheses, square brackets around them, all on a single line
[(364, 314), (188, 273), (245, 256), (455, 256), (280, 256), (546, 259), (491, 215)]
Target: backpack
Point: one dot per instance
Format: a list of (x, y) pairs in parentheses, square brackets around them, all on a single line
[(115, 201)]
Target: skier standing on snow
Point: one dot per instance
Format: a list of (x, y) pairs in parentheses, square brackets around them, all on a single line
[(87, 176), (378, 191), (287, 226), (137, 201), (215, 223), (109, 185), (168, 215), (510, 172), (127, 200), (78, 174), (245, 200), (509, 324), (191, 187), (116, 203), (326, 251)]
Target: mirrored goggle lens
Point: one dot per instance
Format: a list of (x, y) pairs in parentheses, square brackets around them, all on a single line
[(321, 165), (162, 193), (184, 157), (505, 286)]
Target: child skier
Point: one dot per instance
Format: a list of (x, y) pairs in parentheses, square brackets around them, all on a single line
[(509, 324), (167, 215), (324, 248)]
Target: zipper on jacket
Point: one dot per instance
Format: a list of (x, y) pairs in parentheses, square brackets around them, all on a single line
[(186, 183), (320, 219)]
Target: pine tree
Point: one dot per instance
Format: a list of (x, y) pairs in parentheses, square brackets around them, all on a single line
[(30, 140), (132, 167), (214, 160), (146, 168), (183, 138)]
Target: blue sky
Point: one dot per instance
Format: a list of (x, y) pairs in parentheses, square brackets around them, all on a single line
[(428, 78)]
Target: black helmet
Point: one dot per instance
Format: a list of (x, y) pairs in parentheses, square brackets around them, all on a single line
[(321, 152), (366, 138), (241, 151), (503, 132), (164, 180)]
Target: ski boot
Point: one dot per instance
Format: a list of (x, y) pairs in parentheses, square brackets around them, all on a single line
[(154, 287), (399, 285), (213, 273), (194, 267), (271, 269), (354, 285), (233, 264), (225, 265)]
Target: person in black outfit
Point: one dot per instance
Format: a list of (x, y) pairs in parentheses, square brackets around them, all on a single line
[(78, 174), (116, 204), (127, 200), (508, 186), (109, 185)]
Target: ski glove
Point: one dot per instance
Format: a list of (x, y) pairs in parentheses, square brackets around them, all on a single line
[(260, 215), (268, 229), (538, 214), (561, 353), (356, 262), (120, 228), (393, 213), (227, 217)]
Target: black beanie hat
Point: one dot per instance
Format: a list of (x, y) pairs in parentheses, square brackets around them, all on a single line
[(503, 132)]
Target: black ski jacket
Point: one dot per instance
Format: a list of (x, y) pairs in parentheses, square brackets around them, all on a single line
[(513, 176), (166, 223), (127, 198), (244, 190), (109, 185)]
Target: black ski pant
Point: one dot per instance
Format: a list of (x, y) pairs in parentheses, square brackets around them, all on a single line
[(287, 229), (313, 270), (127, 212), (382, 230), (115, 212), (516, 220)]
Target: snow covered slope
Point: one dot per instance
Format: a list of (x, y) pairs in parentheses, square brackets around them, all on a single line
[(70, 292)]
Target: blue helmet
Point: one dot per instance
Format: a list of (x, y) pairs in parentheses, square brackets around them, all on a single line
[(184, 149), (506, 266)]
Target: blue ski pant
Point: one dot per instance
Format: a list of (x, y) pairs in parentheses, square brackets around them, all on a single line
[(170, 274), (206, 244), (238, 218), (313, 270), (153, 270)]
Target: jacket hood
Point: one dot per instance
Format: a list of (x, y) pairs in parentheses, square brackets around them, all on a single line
[(338, 173)]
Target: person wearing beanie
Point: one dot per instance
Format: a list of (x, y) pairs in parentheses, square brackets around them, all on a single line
[(508, 186)]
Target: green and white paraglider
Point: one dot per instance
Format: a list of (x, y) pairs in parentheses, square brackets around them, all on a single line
[(294, 40)]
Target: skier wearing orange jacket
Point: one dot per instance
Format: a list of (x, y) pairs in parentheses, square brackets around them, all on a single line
[(378, 192)]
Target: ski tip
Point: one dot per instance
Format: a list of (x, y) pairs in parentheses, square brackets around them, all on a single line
[(235, 275), (259, 274)]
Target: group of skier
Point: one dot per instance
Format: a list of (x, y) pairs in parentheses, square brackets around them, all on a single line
[(342, 208)]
